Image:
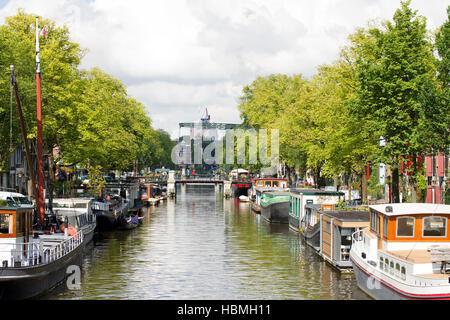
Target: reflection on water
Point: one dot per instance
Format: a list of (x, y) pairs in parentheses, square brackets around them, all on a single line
[(203, 247)]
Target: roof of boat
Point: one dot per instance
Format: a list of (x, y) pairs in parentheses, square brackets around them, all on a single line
[(278, 193), (399, 209), (15, 208), (270, 189), (308, 191), (349, 215), (72, 200)]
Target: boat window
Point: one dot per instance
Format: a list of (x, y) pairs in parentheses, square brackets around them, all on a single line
[(6, 224), (397, 270), (373, 220), (386, 265), (260, 184), (434, 226), (403, 273), (267, 183), (381, 263), (276, 184), (385, 226), (405, 226), (80, 205), (290, 205), (391, 267)]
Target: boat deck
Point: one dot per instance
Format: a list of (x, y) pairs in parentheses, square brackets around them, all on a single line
[(414, 256)]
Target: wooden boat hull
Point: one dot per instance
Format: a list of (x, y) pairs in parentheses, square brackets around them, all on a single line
[(28, 282), (277, 212)]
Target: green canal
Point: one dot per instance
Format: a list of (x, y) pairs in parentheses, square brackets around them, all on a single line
[(204, 247)]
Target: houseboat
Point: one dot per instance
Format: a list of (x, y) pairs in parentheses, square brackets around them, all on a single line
[(267, 183), (151, 194), (110, 213), (336, 230), (405, 252), (298, 221), (33, 263), (311, 233), (275, 206), (78, 212)]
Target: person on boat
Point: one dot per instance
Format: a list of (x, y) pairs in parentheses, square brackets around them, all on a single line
[(71, 230)]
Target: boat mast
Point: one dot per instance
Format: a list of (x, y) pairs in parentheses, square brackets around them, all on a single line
[(24, 132), (40, 196)]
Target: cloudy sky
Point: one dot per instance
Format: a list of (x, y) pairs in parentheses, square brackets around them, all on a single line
[(179, 57)]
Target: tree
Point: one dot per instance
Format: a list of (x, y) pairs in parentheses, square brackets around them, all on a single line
[(395, 68)]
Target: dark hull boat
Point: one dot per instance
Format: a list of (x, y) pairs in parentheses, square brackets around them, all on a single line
[(110, 215), (32, 265), (275, 207)]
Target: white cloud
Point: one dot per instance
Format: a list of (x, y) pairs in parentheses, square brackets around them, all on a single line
[(181, 55)]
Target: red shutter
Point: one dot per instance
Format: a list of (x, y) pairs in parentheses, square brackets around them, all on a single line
[(437, 194), (441, 164), (429, 194), (429, 166)]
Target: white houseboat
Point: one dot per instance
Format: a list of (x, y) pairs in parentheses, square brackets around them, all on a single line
[(404, 253), (298, 218), (32, 263)]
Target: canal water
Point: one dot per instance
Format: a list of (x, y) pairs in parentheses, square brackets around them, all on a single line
[(204, 247)]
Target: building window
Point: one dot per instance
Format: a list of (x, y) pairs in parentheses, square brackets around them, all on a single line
[(434, 226), (405, 226)]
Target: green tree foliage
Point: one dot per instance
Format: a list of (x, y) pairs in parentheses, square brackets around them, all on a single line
[(395, 72), (87, 115)]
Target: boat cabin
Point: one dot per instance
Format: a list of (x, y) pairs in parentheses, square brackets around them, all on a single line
[(336, 230), (403, 226), (16, 226), (299, 198), (150, 191), (271, 183)]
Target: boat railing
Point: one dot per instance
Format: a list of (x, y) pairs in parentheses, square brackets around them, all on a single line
[(61, 249), (38, 253)]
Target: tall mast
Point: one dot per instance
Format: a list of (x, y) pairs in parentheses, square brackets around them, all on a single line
[(40, 197), (24, 132)]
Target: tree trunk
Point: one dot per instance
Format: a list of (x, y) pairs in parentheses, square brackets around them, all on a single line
[(51, 181), (349, 186), (395, 184), (364, 184)]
